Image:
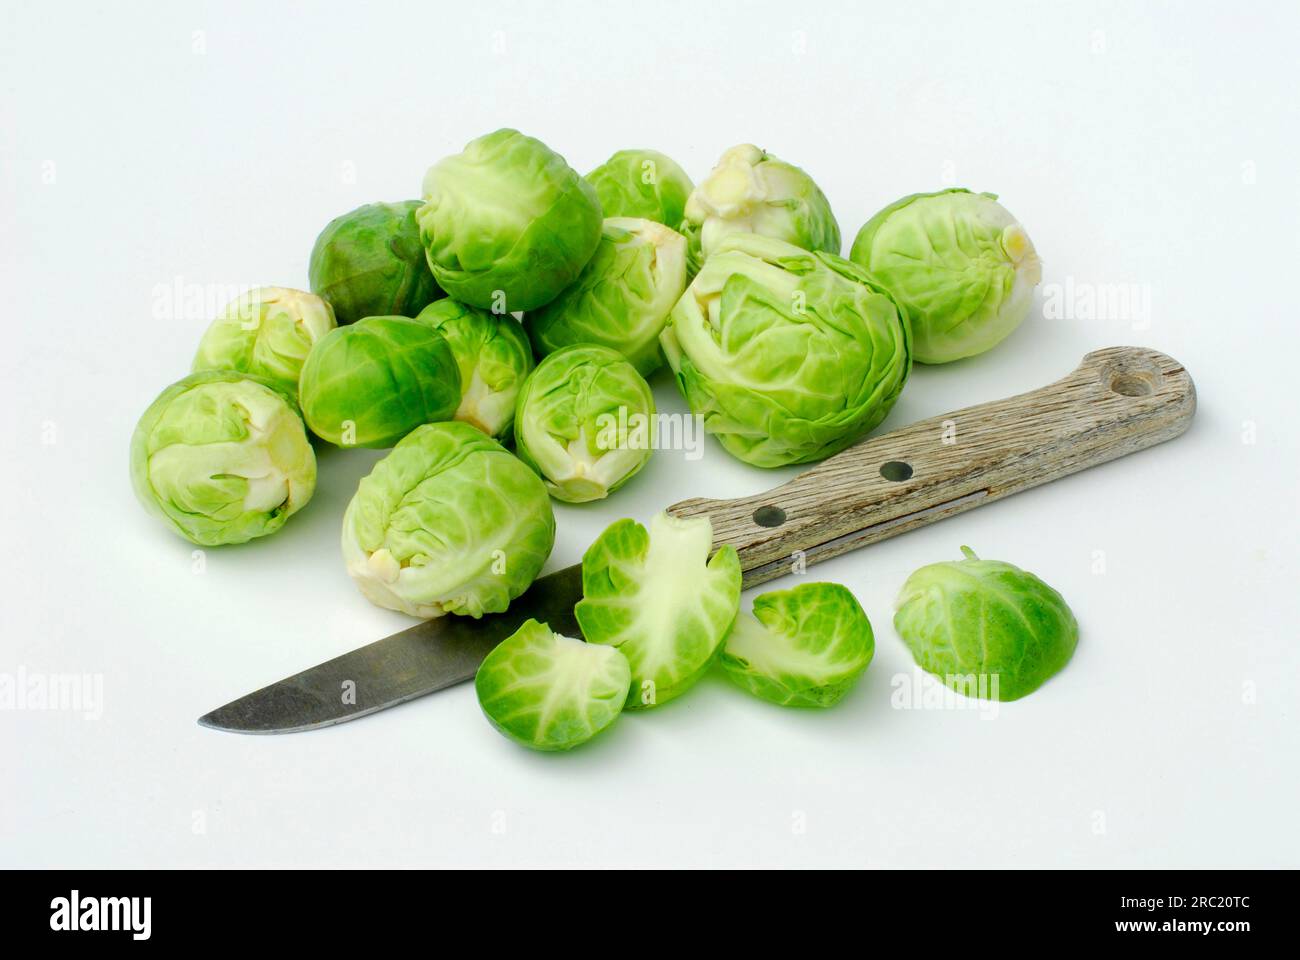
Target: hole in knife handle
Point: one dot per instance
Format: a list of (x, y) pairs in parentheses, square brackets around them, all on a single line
[(896, 471), (769, 516), (1132, 385)]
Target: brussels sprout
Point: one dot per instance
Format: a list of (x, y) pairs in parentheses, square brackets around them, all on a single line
[(493, 356), (985, 628), (448, 522), (222, 457), (507, 224), (267, 332), (751, 191), (642, 183), (372, 383), (654, 597), (584, 421), (961, 265), (622, 297), (370, 263), (551, 692), (788, 355), (801, 648)]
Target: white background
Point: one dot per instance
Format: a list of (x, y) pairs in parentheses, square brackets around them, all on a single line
[(150, 149)]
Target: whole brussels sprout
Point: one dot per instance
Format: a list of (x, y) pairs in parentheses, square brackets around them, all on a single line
[(370, 263), (551, 692), (222, 457), (751, 191), (644, 184), (659, 598), (448, 522), (267, 332), (801, 648), (507, 224), (622, 297), (372, 383), (788, 355), (961, 265), (493, 356), (986, 629), (584, 421)]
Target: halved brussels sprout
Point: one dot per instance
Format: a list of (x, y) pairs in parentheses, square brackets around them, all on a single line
[(622, 297), (584, 422), (507, 224), (372, 383), (448, 522), (751, 191), (493, 356), (985, 628), (801, 648), (222, 457), (370, 263), (788, 355), (267, 332), (642, 183), (551, 692), (654, 596), (961, 265)]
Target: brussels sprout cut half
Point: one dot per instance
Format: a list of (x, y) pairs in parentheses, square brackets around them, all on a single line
[(622, 297), (494, 359), (642, 183), (267, 332), (551, 692), (801, 648), (751, 191), (961, 265), (372, 383), (788, 355), (222, 457), (507, 224), (370, 263), (448, 522), (584, 421), (658, 597), (985, 628)]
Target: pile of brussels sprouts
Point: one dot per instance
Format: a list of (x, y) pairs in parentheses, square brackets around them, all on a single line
[(491, 333)]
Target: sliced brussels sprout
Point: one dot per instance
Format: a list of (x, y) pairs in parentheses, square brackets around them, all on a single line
[(622, 297), (659, 598), (961, 265), (751, 191), (985, 628), (551, 692), (642, 183), (222, 457), (788, 355), (372, 383), (448, 522), (507, 224), (370, 263), (584, 422), (803, 647), (267, 332), (494, 359)]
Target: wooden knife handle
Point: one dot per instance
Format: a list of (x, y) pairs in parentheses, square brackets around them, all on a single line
[(1117, 401)]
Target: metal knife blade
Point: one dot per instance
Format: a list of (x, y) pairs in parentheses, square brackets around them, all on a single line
[(429, 656)]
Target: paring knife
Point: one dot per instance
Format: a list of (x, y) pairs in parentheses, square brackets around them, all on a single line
[(1119, 400)]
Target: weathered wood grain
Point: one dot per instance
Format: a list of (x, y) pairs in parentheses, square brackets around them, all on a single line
[(1119, 400)]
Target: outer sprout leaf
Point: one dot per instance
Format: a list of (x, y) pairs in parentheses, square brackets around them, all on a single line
[(804, 647), (985, 628), (658, 597), (551, 692)]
